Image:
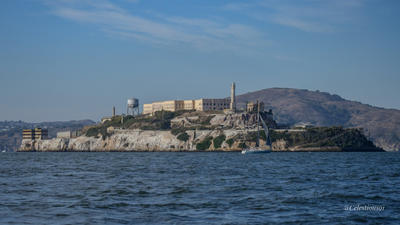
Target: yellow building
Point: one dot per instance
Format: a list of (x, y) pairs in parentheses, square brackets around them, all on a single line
[(202, 104), (212, 104), (199, 105), (28, 134), (35, 134)]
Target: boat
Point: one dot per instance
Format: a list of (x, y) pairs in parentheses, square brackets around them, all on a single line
[(257, 149)]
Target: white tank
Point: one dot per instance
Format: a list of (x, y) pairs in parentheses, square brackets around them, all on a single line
[(133, 102)]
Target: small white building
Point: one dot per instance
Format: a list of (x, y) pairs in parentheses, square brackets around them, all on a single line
[(64, 134)]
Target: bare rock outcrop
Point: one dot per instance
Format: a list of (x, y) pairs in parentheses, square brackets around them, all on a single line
[(132, 140)]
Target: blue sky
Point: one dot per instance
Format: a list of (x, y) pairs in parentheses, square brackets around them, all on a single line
[(75, 59)]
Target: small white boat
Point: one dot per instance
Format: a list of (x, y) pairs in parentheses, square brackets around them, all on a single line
[(255, 151)]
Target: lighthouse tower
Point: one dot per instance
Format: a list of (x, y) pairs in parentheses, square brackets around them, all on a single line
[(233, 98)]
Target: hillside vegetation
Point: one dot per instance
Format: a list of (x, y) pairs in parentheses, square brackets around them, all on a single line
[(159, 121), (291, 106)]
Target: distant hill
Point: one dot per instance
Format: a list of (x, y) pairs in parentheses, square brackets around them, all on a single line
[(292, 106), (11, 131)]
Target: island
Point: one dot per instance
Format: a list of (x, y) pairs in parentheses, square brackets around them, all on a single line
[(194, 131), (196, 125)]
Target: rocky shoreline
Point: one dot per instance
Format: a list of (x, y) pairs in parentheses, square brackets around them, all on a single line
[(201, 131), (165, 141)]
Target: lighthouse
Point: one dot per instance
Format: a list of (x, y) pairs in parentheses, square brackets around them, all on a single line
[(233, 98)]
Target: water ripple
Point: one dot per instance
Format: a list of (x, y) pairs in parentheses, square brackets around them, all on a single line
[(198, 188)]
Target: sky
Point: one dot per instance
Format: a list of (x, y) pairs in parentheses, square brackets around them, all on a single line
[(76, 59)]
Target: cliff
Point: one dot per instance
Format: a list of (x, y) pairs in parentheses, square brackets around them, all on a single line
[(133, 140), (328, 139)]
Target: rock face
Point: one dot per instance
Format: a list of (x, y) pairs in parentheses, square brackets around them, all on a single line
[(224, 121), (196, 140), (132, 140), (241, 120)]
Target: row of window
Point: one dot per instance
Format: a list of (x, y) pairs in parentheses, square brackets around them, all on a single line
[(218, 104)]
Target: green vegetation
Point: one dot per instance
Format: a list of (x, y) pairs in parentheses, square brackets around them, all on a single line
[(349, 138), (325, 136), (183, 136), (94, 131), (160, 121), (114, 122), (205, 120), (205, 144), (242, 145), (252, 136), (218, 141), (230, 142), (176, 131), (102, 128)]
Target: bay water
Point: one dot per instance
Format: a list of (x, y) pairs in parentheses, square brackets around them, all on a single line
[(199, 188)]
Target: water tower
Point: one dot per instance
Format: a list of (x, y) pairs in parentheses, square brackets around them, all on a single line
[(132, 107)]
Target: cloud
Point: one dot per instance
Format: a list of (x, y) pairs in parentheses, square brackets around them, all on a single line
[(200, 33), (302, 25), (305, 15), (237, 6)]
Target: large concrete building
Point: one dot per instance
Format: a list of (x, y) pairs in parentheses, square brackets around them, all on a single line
[(202, 104)]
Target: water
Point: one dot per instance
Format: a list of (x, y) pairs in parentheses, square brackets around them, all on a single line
[(198, 188)]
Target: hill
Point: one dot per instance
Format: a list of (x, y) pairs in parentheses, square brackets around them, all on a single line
[(292, 106), (11, 131)]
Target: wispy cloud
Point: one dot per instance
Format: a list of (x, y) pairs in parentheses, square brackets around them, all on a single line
[(306, 15), (201, 33), (301, 24)]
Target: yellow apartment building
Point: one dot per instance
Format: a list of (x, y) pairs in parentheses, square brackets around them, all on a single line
[(202, 104)]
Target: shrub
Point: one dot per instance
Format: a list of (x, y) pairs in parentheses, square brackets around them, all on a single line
[(252, 136), (219, 140), (230, 142), (94, 131), (115, 122), (205, 144), (164, 115), (183, 136), (128, 117), (165, 125), (178, 130), (324, 136), (128, 121), (242, 145), (206, 120)]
